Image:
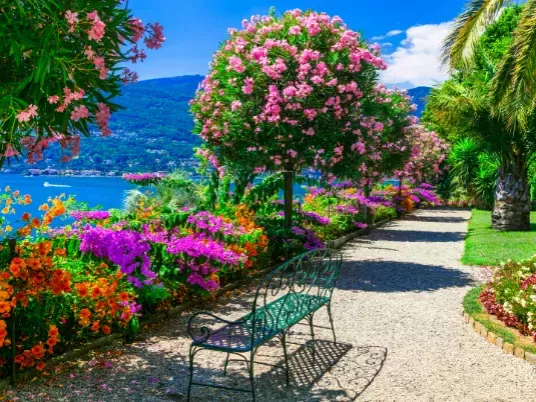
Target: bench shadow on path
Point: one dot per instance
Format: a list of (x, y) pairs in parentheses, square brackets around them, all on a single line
[(395, 276)]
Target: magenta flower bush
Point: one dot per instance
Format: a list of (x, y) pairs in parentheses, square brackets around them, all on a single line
[(68, 66), (124, 248), (90, 215), (144, 179)]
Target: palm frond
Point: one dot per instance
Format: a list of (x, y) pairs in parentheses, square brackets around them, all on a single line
[(132, 200), (514, 85), (461, 43)]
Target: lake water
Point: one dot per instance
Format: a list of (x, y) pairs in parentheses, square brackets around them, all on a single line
[(108, 192), (103, 191)]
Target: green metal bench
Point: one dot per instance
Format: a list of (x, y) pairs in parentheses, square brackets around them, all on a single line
[(289, 294)]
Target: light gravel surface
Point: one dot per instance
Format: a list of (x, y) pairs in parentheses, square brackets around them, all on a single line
[(400, 335)]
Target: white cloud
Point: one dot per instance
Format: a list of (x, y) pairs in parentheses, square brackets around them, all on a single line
[(394, 32), (415, 62), (386, 44)]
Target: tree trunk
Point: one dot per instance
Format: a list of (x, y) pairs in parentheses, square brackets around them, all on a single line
[(512, 199), (288, 175)]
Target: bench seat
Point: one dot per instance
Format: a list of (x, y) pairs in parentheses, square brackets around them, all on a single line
[(271, 320)]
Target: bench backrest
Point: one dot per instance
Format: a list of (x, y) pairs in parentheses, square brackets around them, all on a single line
[(293, 290)]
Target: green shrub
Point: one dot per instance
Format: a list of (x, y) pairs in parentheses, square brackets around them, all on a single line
[(382, 212)]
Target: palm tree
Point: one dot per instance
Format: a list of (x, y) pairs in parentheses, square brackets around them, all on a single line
[(467, 108), (493, 94), (513, 88)]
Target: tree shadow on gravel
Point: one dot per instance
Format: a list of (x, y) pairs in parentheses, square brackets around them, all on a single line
[(415, 236), (396, 276), (435, 219)]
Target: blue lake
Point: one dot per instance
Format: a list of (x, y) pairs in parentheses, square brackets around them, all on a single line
[(107, 192)]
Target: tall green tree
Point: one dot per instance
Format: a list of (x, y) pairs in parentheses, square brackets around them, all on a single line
[(513, 88), (466, 105)]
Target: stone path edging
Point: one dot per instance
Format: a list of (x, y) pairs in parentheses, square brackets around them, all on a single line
[(492, 338)]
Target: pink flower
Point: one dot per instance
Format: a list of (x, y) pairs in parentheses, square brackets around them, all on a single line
[(235, 63), (259, 53), (72, 18), (310, 113), (157, 39), (292, 153), (236, 105), (92, 16), (96, 32), (248, 86), (9, 152), (79, 112), (53, 99), (27, 114), (138, 29), (289, 91), (294, 30)]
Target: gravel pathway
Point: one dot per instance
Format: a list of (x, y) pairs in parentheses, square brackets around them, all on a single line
[(400, 337)]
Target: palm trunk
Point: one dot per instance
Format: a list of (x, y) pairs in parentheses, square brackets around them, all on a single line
[(512, 199)]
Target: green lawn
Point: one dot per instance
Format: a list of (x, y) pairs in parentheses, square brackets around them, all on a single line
[(485, 246)]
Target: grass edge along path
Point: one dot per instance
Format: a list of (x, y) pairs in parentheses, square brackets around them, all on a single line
[(473, 307), (488, 247)]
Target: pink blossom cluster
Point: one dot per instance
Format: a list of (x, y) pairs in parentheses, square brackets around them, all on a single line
[(428, 152), (96, 32), (102, 117)]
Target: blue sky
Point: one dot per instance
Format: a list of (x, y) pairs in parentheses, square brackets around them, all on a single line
[(194, 28)]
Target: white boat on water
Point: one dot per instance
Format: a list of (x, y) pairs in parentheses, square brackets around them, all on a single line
[(47, 184)]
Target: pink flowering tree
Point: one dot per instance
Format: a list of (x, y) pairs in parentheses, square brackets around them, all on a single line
[(428, 153), (380, 142), (281, 93), (60, 69)]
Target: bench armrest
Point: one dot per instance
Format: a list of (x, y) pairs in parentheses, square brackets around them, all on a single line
[(200, 333)]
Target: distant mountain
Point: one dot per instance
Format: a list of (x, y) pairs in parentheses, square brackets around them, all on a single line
[(152, 133), (419, 95)]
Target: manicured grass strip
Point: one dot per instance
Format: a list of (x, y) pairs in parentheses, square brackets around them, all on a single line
[(485, 246), (472, 306)]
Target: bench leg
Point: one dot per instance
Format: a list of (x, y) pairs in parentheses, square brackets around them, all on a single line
[(331, 322), (310, 318), (191, 356), (287, 371), (252, 375), (226, 363)]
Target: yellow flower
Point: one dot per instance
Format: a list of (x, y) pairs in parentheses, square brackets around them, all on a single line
[(5, 210), (9, 228), (7, 189)]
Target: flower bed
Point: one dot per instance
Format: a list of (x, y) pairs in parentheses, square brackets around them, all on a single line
[(65, 286), (511, 295)]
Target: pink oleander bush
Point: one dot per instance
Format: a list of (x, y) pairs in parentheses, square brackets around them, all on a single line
[(63, 63), (296, 91), (511, 295)]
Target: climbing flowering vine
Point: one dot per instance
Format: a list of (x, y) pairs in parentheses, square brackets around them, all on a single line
[(61, 67)]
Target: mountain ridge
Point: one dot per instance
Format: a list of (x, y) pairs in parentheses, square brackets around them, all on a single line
[(152, 133)]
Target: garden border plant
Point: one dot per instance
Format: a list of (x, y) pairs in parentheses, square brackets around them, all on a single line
[(493, 330), (103, 341)]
